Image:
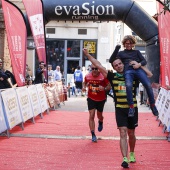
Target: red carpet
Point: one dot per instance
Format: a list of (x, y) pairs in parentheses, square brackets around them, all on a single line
[(77, 154)]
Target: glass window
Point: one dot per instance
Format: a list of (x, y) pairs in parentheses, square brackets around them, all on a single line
[(73, 48), (71, 66), (55, 53), (91, 45)]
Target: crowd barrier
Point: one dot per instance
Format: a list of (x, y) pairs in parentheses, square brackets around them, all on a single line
[(163, 106), (20, 104)]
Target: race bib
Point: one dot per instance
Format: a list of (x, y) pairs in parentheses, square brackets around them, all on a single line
[(121, 88)]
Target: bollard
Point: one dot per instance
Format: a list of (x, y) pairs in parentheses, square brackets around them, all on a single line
[(69, 90)]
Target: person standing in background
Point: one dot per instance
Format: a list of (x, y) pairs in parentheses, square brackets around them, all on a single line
[(40, 73), (4, 83), (57, 74), (78, 79), (141, 89), (50, 74)]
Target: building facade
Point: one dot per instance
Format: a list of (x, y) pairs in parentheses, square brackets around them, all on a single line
[(66, 39)]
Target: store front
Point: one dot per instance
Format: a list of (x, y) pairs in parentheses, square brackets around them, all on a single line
[(68, 54)]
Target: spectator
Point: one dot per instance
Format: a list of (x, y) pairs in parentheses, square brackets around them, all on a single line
[(78, 79), (57, 74), (50, 74), (4, 83), (39, 76)]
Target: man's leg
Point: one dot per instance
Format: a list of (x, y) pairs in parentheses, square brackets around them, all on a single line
[(124, 146), (92, 124), (129, 77), (132, 142), (100, 118)]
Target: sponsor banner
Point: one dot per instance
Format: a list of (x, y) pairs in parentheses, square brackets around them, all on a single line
[(164, 38), (16, 35), (166, 111), (35, 16), (32, 91), (42, 97), (3, 126), (160, 104), (11, 107), (83, 10), (24, 103)]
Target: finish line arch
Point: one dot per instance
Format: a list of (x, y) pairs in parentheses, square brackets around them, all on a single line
[(126, 11)]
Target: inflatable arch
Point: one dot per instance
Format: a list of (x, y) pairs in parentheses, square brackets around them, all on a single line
[(126, 11)]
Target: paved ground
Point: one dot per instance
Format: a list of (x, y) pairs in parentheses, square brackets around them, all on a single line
[(62, 141)]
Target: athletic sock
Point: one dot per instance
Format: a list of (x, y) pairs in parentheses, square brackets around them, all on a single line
[(92, 132)]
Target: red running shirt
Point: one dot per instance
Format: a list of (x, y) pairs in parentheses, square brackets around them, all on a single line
[(93, 86)]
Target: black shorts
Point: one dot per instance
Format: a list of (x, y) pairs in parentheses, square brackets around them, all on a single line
[(78, 85), (98, 105), (122, 118)]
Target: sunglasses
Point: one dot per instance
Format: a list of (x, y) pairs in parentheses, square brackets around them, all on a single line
[(94, 68)]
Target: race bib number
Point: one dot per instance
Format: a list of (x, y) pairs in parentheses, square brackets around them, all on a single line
[(121, 88)]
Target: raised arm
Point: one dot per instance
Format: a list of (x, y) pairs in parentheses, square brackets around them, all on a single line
[(114, 54), (95, 63)]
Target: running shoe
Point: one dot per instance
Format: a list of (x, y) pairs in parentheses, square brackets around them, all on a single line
[(100, 126), (131, 112), (94, 139), (132, 157), (125, 163)]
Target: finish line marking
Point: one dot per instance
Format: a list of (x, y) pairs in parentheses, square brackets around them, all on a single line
[(84, 137)]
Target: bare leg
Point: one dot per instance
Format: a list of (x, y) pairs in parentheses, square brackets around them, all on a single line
[(123, 141), (91, 120), (132, 139), (100, 116)]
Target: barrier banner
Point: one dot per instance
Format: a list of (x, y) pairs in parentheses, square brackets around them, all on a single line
[(11, 108), (60, 90), (35, 16), (164, 38), (166, 111), (3, 126), (42, 97), (17, 37), (52, 94), (32, 91), (24, 103), (161, 105), (159, 99)]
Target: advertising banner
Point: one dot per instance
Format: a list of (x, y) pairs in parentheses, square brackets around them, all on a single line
[(11, 107), (160, 104), (42, 97), (164, 38), (32, 91), (34, 12), (3, 126), (24, 103), (17, 36), (166, 111)]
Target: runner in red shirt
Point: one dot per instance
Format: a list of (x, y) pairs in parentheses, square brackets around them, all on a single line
[(97, 87)]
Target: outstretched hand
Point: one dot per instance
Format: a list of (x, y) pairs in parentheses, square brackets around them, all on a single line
[(118, 46), (85, 51)]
